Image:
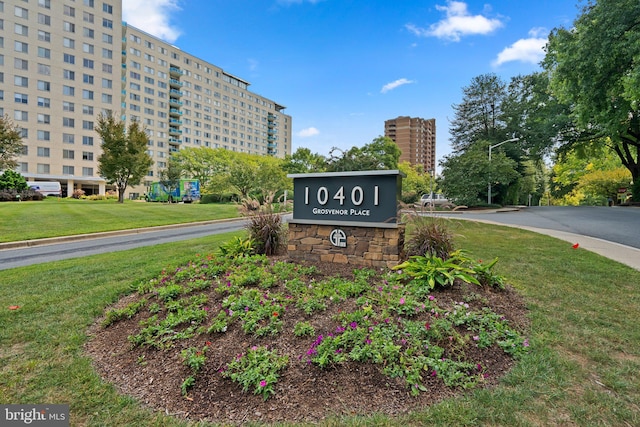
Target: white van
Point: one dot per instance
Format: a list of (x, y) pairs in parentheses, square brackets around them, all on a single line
[(46, 188)]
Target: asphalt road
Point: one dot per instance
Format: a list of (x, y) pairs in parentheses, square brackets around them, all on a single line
[(614, 224), (20, 257)]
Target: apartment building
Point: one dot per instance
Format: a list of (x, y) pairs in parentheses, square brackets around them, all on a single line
[(416, 138), (64, 62)]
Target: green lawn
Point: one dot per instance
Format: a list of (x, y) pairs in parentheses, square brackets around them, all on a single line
[(61, 217), (582, 368)]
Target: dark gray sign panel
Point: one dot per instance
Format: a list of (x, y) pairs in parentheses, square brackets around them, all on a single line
[(361, 198)]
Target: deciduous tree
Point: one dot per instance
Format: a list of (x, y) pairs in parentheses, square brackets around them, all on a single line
[(10, 144), (124, 160), (595, 67)]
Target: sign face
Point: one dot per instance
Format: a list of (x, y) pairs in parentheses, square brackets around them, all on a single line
[(367, 198)]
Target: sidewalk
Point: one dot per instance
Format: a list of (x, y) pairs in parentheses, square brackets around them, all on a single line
[(624, 254)]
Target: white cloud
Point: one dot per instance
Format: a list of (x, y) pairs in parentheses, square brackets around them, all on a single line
[(308, 132), (152, 16), (458, 23), (390, 86), (525, 50)]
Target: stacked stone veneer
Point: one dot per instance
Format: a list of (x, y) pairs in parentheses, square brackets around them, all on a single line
[(371, 247)]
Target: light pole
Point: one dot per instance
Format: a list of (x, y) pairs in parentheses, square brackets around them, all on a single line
[(490, 147)]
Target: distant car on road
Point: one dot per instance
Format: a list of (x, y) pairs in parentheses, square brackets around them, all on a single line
[(434, 200)]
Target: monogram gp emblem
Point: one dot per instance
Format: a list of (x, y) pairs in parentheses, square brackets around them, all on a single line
[(338, 238)]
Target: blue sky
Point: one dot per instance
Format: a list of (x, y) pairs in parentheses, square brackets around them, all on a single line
[(343, 67)]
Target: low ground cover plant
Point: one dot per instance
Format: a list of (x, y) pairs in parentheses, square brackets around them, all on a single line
[(393, 320)]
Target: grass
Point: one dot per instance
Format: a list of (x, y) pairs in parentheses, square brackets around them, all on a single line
[(581, 370), (35, 220)]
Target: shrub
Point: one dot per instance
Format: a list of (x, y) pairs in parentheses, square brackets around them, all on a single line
[(267, 232), (429, 237), (236, 247), (434, 271), (78, 194), (12, 180)]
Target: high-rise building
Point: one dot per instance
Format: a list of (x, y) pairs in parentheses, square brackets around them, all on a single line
[(416, 138), (64, 62)]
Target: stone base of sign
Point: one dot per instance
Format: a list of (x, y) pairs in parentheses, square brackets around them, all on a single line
[(366, 246)]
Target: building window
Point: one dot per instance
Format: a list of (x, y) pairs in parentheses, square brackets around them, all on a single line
[(43, 168), (87, 140), (21, 98), (107, 38), (70, 43), (87, 94), (86, 78), (44, 152), (69, 75), (107, 68), (107, 23), (87, 63), (87, 124), (44, 102), (106, 98), (45, 86), (44, 52), (87, 155), (69, 11), (88, 3), (69, 27), (21, 47), (44, 36), (68, 170), (107, 53), (44, 69), (68, 154), (87, 17), (21, 12), (68, 122), (44, 118), (45, 3), (23, 30), (87, 171), (87, 32), (87, 109), (68, 138), (87, 48), (68, 58), (107, 84), (44, 135), (68, 106)]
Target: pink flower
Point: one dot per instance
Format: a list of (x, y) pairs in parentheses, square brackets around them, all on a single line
[(401, 301), (263, 383), (431, 297)]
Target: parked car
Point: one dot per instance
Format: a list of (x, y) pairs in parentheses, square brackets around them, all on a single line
[(434, 200)]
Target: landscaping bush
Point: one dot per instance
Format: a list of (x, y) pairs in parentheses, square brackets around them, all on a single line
[(267, 232), (429, 237)]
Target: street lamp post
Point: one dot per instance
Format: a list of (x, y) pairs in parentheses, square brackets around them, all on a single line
[(491, 147)]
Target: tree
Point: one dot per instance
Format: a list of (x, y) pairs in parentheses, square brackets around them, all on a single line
[(479, 115), (10, 143), (381, 154), (416, 183), (124, 160), (170, 178), (204, 164), (465, 176), (12, 180), (595, 67), (304, 161)]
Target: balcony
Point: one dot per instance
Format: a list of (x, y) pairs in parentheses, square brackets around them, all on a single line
[(175, 112), (174, 131), (175, 141), (175, 121), (175, 102), (175, 83), (175, 71), (173, 150), (175, 92)]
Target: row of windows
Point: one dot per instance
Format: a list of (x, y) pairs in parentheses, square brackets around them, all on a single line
[(43, 168)]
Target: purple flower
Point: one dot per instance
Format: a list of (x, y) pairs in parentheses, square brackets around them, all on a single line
[(401, 301), (353, 325), (525, 343), (263, 383), (431, 297), (476, 338)]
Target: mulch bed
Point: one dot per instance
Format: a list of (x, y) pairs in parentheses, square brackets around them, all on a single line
[(304, 392)]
